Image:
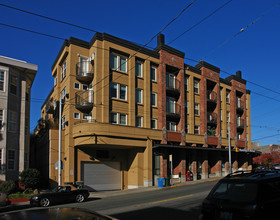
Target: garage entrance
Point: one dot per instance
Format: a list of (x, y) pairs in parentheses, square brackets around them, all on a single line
[(101, 176)]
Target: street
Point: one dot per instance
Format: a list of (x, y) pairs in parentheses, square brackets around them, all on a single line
[(181, 202)]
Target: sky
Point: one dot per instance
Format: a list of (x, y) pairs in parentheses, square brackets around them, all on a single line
[(255, 51)]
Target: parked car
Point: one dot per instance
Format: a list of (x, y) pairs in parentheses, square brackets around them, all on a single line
[(4, 201), (244, 195), (60, 194), (54, 214)]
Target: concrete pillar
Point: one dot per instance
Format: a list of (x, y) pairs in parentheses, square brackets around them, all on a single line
[(205, 166), (163, 165), (148, 161)]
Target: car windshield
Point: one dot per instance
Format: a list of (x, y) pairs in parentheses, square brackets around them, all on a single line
[(235, 192)]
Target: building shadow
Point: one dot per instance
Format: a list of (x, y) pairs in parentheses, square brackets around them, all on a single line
[(162, 213)]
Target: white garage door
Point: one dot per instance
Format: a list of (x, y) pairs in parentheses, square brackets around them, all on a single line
[(102, 176)]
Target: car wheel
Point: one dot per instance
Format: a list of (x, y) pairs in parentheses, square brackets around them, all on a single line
[(44, 202), (80, 198)]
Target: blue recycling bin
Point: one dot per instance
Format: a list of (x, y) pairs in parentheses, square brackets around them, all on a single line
[(161, 182)]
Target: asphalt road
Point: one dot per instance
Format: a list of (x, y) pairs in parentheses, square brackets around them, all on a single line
[(183, 202)]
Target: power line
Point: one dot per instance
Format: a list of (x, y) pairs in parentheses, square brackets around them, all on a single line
[(266, 137), (34, 32), (49, 18), (241, 30), (198, 23)]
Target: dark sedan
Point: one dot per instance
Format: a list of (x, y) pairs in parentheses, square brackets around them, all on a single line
[(60, 194)]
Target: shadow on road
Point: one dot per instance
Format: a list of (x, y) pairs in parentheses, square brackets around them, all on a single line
[(161, 213)]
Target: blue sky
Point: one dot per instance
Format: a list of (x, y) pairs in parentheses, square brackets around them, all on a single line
[(255, 51)]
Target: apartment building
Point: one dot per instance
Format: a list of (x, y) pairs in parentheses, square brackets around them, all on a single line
[(16, 78), (131, 115)]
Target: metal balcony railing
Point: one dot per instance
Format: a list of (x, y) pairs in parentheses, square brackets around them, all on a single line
[(49, 108), (173, 110), (173, 85), (240, 124), (212, 118), (239, 106), (84, 101), (84, 72)]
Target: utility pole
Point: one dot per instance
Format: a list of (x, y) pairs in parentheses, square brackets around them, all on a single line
[(229, 147), (59, 143)]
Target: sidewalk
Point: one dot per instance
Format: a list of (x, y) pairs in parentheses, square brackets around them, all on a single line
[(105, 194)]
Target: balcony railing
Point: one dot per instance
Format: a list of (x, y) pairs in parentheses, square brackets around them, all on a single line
[(212, 119), (173, 110), (240, 124), (84, 101), (84, 72), (239, 106), (49, 108), (173, 85)]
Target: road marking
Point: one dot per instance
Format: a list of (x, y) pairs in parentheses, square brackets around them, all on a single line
[(171, 199)]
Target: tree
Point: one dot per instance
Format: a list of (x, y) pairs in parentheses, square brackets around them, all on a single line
[(30, 178), (267, 159)]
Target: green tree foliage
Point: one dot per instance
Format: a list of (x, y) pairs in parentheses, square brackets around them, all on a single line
[(8, 186), (30, 178)]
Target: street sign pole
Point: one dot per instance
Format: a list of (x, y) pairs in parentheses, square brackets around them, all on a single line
[(59, 143)]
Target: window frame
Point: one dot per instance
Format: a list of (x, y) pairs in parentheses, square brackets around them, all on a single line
[(124, 86), (140, 91), (77, 113), (12, 122), (63, 69), (196, 128), (168, 123), (196, 109), (196, 86), (141, 69), (118, 66), (14, 85), (117, 118), (2, 118), (4, 80), (155, 120), (141, 121), (155, 95), (120, 115), (155, 75)]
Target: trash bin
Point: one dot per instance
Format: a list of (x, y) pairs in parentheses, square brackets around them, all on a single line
[(160, 182), (167, 181)]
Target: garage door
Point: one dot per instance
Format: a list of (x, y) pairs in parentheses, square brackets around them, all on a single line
[(102, 176)]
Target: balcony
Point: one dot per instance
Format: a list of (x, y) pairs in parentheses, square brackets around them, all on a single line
[(212, 119), (239, 106), (172, 86), (211, 100), (49, 108), (240, 125), (84, 101), (84, 72), (173, 111)]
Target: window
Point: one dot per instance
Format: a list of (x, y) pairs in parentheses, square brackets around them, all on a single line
[(76, 115), (139, 121), (153, 99), (13, 84), (123, 119), (55, 81), (170, 80), (187, 107), (85, 87), (113, 90), (123, 92), (11, 159), (2, 80), (77, 85), (187, 128), (63, 70), (63, 93), (227, 97), (170, 126), (154, 123), (138, 69), (113, 118), (196, 109), (196, 86), (196, 129), (12, 121), (186, 79), (139, 96), (118, 62), (86, 116), (118, 91), (170, 105), (153, 73), (1, 119)]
